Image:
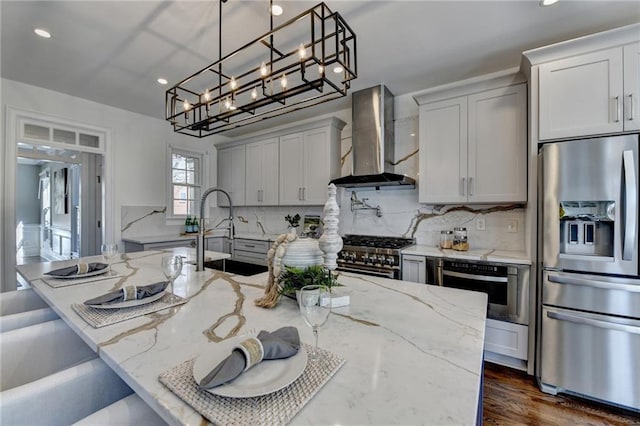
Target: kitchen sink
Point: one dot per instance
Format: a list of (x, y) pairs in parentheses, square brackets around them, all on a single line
[(236, 267)]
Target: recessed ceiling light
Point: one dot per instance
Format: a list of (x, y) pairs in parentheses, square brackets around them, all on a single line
[(338, 69), (162, 81), (276, 10), (42, 33), (544, 3)]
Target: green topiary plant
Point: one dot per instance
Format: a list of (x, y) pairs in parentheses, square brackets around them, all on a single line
[(294, 278)]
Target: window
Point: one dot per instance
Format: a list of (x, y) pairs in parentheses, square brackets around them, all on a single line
[(186, 181)]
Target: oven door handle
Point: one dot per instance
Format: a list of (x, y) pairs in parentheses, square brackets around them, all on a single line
[(366, 272), (475, 277)]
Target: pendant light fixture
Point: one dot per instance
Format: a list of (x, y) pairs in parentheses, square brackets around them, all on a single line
[(307, 60)]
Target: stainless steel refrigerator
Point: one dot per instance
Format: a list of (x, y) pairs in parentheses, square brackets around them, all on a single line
[(590, 292)]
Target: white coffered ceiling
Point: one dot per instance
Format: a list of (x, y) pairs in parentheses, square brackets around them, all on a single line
[(112, 52)]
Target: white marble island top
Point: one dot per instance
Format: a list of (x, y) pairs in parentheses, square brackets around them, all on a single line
[(413, 352)]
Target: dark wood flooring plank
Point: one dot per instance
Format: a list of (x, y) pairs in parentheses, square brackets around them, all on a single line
[(512, 397)]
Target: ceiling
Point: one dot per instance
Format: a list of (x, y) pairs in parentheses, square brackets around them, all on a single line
[(112, 52)]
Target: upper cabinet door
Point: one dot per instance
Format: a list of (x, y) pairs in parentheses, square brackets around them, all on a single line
[(443, 152), (262, 173), (316, 166), (498, 145), (231, 176), (291, 169), (581, 95), (632, 87)]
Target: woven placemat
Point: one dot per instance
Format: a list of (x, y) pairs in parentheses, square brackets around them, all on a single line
[(276, 408), (65, 282), (102, 317)]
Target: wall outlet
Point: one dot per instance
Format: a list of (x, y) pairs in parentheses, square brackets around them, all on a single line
[(512, 226), (480, 224)]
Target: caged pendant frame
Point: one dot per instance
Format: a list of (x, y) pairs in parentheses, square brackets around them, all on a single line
[(308, 60)]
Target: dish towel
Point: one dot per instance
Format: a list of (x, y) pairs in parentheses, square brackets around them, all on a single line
[(130, 292), (282, 343), (79, 269)]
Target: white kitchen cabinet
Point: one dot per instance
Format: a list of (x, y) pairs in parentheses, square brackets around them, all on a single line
[(414, 268), (308, 161), (231, 175), (262, 173), (251, 251), (473, 149), (631, 59), (215, 244), (589, 94), (506, 343)]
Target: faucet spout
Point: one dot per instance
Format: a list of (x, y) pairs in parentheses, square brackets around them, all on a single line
[(201, 231)]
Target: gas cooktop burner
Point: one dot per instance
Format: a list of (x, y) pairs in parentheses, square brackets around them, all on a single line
[(376, 242)]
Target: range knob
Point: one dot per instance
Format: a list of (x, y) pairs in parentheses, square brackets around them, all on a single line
[(390, 261), (365, 258), (382, 259)]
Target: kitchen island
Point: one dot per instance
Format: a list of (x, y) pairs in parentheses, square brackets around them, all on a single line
[(413, 352)]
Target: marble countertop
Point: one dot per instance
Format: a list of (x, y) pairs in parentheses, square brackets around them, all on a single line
[(413, 352), (149, 239), (488, 255)]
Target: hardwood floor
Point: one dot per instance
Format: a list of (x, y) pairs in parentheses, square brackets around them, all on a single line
[(512, 397)]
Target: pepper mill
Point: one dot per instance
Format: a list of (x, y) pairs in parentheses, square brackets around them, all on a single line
[(331, 242)]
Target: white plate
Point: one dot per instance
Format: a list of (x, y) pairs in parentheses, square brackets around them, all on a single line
[(130, 303), (78, 276), (264, 378)]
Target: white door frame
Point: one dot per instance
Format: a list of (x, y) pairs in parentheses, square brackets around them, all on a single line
[(8, 181)]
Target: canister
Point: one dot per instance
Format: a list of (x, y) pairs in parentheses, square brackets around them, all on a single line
[(460, 242), (446, 239)]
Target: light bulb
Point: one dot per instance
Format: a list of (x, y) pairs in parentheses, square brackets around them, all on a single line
[(321, 69), (233, 83), (263, 70), (207, 96), (254, 94), (186, 105), (227, 103), (276, 10), (302, 52), (283, 81)]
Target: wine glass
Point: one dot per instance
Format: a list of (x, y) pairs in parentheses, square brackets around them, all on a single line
[(315, 306), (109, 252), (171, 268)]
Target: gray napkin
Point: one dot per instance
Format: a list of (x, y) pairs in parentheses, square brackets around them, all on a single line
[(128, 293), (282, 343), (73, 270)]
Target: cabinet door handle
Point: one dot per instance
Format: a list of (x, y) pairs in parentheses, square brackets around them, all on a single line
[(304, 195), (631, 107), (462, 186), (470, 186), (617, 109), (300, 194)]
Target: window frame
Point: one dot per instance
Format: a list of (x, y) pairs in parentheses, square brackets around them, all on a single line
[(201, 179)]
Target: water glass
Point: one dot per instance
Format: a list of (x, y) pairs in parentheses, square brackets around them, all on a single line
[(315, 306), (171, 267), (109, 252)]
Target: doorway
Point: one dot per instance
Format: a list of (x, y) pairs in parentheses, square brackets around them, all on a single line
[(59, 205)]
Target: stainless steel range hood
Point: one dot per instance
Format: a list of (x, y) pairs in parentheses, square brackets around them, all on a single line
[(373, 142)]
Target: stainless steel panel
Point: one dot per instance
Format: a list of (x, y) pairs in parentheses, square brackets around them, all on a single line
[(591, 355), (607, 295), (591, 170)]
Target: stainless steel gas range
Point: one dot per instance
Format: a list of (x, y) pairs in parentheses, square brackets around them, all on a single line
[(372, 255)]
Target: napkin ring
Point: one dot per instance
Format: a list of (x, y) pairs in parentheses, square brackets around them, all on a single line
[(253, 351), (130, 292), (83, 268)]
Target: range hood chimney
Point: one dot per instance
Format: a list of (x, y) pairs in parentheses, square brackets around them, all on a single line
[(373, 142)]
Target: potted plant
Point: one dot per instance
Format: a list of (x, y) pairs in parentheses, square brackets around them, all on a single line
[(294, 278), (293, 221)]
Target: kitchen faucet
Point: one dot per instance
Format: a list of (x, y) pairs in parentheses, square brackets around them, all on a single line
[(201, 231)]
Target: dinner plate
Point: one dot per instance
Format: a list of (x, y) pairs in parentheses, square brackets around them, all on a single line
[(78, 276), (261, 379), (130, 303)]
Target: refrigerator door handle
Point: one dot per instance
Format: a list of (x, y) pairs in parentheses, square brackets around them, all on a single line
[(593, 322), (559, 279), (631, 205)]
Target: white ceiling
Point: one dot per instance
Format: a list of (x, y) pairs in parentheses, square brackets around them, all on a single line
[(112, 52)]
